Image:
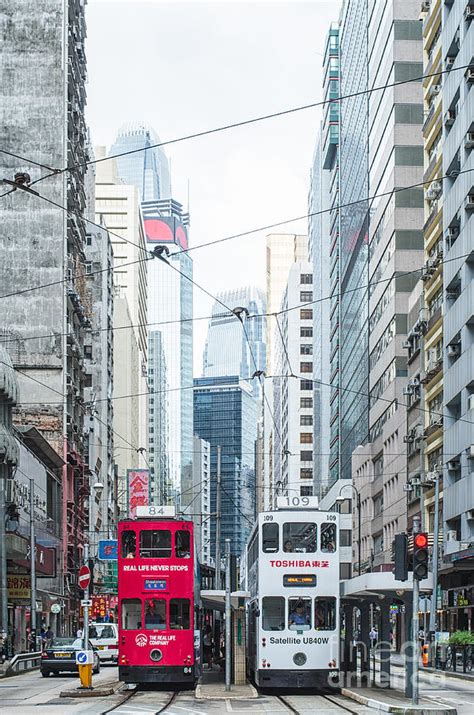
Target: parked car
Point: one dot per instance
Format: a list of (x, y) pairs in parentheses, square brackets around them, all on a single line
[(104, 637), (60, 656)]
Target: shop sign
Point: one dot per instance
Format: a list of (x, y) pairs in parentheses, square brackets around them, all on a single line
[(19, 587), (108, 549), (45, 560), (100, 606)]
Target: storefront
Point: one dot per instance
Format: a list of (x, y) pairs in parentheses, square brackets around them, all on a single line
[(457, 599)]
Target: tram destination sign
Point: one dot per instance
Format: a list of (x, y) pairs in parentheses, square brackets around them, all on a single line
[(150, 511), (297, 502), (299, 580), (155, 584)]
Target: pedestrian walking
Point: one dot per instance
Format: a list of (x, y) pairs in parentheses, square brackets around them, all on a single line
[(373, 635), (208, 645), (49, 635)]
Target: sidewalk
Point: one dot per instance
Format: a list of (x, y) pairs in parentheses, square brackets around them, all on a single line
[(393, 701), (397, 661), (212, 687)]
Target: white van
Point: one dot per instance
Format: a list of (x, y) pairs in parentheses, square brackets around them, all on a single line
[(104, 637)]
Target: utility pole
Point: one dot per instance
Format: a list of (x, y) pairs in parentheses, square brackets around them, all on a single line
[(434, 597), (218, 521), (85, 634), (414, 623), (32, 563), (3, 564), (228, 619)]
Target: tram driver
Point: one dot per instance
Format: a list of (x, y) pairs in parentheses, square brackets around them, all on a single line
[(299, 616), (155, 614)]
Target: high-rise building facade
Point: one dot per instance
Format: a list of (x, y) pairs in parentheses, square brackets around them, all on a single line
[(225, 415), (199, 506), (42, 94), (230, 349), (147, 170), (293, 389), (158, 432)]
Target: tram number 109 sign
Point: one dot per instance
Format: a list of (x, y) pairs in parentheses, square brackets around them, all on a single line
[(297, 502)]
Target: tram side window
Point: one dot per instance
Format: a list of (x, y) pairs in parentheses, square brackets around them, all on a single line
[(299, 614), (328, 538), (131, 614), (299, 537), (155, 614), (155, 544), (270, 538), (182, 544), (325, 614), (129, 544), (273, 613), (179, 614)]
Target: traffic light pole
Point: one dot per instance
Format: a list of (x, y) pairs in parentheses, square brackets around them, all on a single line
[(415, 626)]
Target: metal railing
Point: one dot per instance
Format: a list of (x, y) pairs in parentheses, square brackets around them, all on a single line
[(23, 662)]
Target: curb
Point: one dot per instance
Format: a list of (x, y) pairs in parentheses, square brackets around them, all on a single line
[(398, 709), (226, 695), (99, 692)]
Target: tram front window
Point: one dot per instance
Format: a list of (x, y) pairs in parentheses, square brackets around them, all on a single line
[(155, 614), (299, 537), (299, 614), (155, 544), (131, 614), (328, 538), (270, 538), (325, 614), (182, 545), (273, 613), (179, 614), (129, 544)]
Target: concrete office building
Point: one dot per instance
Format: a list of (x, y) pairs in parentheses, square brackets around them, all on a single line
[(158, 429), (199, 506)]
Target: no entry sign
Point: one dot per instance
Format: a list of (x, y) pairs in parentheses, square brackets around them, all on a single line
[(84, 577)]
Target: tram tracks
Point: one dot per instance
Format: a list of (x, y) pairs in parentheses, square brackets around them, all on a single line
[(130, 694), (284, 700)]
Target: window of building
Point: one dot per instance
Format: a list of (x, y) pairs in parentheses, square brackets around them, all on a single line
[(299, 537), (88, 352), (306, 278), (131, 614), (345, 536), (378, 543), (306, 349), (306, 420), (345, 571), (155, 544), (306, 437), (306, 491), (299, 614), (306, 314), (273, 613), (328, 538), (88, 380), (179, 614), (378, 504), (182, 544), (306, 296), (306, 456), (129, 544), (306, 332), (306, 402), (306, 473), (306, 384), (155, 613), (270, 538), (325, 614)]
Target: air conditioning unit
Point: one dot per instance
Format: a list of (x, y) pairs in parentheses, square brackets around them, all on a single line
[(451, 535), (438, 422), (469, 140), (452, 465), (414, 381), (434, 90), (468, 12), (469, 202), (439, 250), (431, 476), (470, 514), (469, 74), (470, 402), (426, 272), (408, 439), (434, 190), (406, 344), (449, 117), (449, 62), (454, 350)]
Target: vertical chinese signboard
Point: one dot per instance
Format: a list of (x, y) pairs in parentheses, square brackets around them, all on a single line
[(100, 607), (138, 481)]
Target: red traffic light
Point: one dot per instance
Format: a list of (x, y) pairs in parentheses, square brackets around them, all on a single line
[(421, 541)]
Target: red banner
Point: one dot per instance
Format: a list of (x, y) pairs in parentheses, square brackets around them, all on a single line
[(138, 489)]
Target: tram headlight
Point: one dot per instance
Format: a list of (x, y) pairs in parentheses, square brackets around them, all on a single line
[(156, 655), (299, 659)]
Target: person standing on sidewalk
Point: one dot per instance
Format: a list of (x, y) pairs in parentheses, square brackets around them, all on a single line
[(373, 635)]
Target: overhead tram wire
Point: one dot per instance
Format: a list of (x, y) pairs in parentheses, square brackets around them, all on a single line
[(235, 125), (249, 232)]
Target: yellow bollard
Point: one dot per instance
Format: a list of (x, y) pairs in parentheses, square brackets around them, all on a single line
[(85, 674)]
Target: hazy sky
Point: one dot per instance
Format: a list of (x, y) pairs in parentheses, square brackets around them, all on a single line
[(187, 66)]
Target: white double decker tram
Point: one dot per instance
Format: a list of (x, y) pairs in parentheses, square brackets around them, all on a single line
[(293, 580)]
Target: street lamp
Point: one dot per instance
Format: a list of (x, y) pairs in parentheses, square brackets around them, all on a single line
[(340, 498)]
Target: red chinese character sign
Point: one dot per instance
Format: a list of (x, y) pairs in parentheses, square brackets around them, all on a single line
[(138, 489), (100, 606)]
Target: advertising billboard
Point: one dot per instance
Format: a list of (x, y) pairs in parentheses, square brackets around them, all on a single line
[(138, 481), (166, 229)]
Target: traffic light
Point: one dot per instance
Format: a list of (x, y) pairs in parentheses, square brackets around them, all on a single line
[(400, 550), (420, 556)]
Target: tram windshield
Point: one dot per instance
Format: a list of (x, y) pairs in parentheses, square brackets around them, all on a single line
[(182, 545), (325, 614), (299, 537), (155, 544), (131, 614), (273, 613), (270, 538), (129, 544), (179, 614), (328, 538), (155, 614), (299, 614)]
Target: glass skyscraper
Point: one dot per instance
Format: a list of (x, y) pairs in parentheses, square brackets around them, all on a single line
[(225, 414)]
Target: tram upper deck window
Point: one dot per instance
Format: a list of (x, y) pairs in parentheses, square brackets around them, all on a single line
[(129, 544), (273, 613), (131, 614), (179, 614), (270, 540), (325, 614), (182, 544), (299, 614), (155, 614), (328, 538), (299, 537), (155, 544)]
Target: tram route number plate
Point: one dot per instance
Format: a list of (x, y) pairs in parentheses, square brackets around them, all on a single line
[(155, 584), (301, 580)]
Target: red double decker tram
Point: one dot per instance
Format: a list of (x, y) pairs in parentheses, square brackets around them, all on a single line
[(156, 589)]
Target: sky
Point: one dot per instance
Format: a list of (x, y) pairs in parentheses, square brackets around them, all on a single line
[(187, 66)]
